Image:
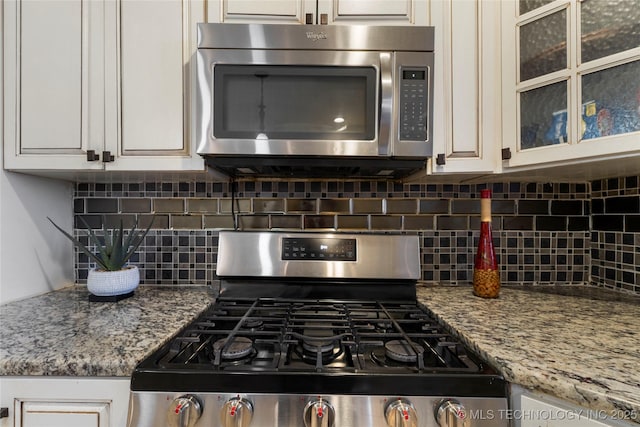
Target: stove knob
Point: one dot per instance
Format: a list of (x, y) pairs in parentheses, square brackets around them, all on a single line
[(451, 413), (401, 413), (236, 412), (184, 411), (319, 413)]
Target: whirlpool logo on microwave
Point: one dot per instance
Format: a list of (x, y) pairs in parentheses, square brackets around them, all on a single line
[(316, 36)]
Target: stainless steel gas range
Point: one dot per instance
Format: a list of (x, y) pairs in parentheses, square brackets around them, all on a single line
[(316, 330)]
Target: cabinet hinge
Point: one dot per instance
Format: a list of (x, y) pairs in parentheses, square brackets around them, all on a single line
[(324, 19), (506, 153), (441, 159), (4, 412), (308, 19)]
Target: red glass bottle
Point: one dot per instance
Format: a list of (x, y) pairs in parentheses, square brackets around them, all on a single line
[(486, 276)]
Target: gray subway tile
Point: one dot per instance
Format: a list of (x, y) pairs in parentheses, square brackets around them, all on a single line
[(434, 206), (188, 222), (286, 221), (207, 206), (268, 205), (395, 206), (418, 222), (301, 205), (452, 223), (353, 222), (135, 205), (367, 206), (241, 206), (319, 221), (334, 206), (168, 205), (253, 221), (386, 222), (102, 205), (218, 221), (160, 222)]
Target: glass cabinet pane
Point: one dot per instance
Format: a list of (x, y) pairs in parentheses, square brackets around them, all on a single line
[(543, 113), (543, 46), (529, 5), (608, 27), (611, 101)]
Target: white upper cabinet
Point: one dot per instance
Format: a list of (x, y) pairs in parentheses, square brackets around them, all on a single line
[(110, 77), (571, 90), (392, 12), (150, 80), (467, 86), (53, 88)]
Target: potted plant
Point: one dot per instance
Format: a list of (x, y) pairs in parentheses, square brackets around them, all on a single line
[(112, 277)]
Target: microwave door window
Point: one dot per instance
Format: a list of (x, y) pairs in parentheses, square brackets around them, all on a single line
[(294, 102)]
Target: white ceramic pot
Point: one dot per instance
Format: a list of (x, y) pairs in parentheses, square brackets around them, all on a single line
[(110, 283)]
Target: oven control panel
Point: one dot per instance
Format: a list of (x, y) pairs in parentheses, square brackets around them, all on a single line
[(318, 249)]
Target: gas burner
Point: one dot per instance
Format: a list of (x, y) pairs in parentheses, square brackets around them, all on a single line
[(328, 353), (401, 351), (239, 348), (253, 323), (313, 345)]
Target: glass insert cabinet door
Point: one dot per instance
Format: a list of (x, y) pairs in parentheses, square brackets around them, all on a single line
[(578, 70)]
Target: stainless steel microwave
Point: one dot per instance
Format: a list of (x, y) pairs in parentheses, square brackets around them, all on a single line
[(314, 100)]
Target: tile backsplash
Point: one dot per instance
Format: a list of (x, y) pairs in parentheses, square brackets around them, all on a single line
[(615, 243), (541, 231)]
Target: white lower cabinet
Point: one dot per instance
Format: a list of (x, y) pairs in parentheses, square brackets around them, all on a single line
[(64, 402), (532, 409)]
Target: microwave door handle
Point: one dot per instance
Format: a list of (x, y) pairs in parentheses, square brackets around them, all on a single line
[(386, 103)]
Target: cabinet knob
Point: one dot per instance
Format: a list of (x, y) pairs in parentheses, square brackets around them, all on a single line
[(107, 157), (92, 156)]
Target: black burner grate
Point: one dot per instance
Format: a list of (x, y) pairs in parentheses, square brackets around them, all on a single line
[(294, 335)]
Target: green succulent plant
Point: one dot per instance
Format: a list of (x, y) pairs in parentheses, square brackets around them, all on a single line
[(113, 249)]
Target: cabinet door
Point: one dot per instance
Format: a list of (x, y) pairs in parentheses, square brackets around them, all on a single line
[(467, 86), (61, 414), (275, 11), (405, 12), (535, 409), (148, 123), (391, 12), (570, 86), (64, 401), (53, 91)]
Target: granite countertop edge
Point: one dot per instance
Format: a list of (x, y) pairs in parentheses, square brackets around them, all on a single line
[(67, 335), (590, 376)]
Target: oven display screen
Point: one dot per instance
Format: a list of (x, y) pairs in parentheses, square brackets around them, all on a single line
[(318, 249)]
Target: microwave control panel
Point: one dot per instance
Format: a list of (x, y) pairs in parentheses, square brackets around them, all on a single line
[(414, 92)]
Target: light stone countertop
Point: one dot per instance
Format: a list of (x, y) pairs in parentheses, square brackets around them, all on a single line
[(62, 333), (576, 343)]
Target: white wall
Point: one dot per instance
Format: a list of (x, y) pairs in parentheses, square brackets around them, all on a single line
[(34, 256)]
